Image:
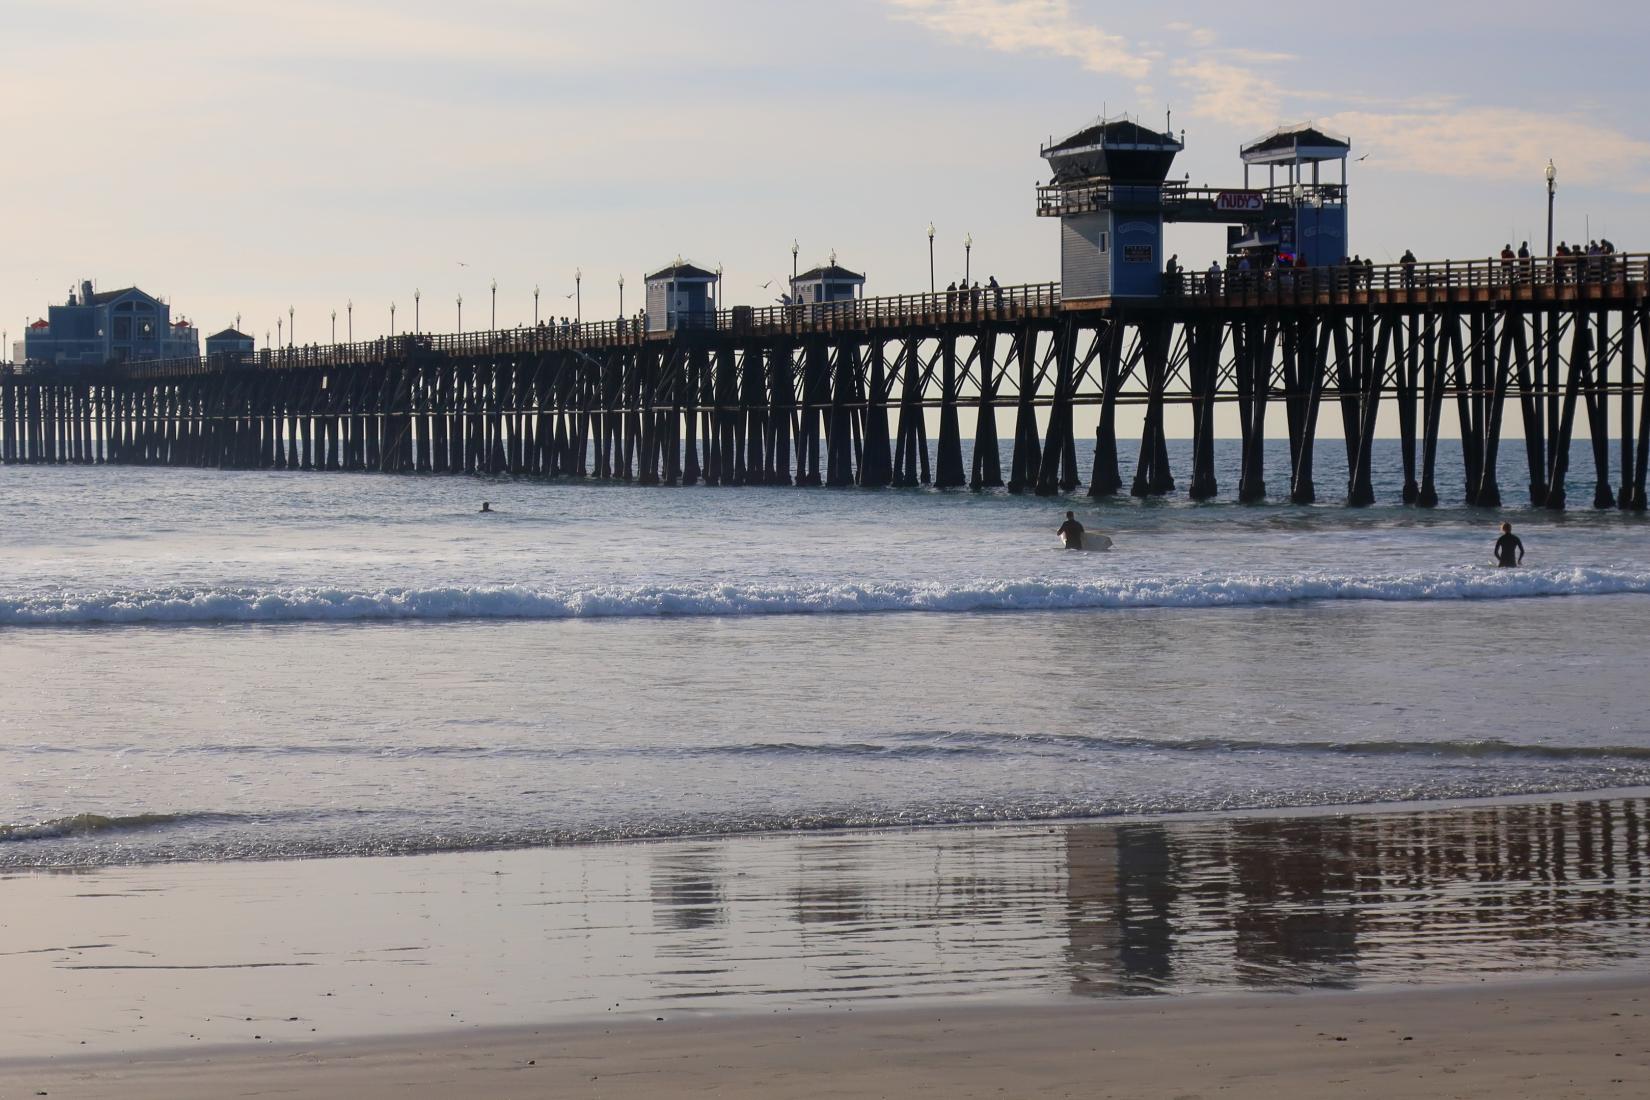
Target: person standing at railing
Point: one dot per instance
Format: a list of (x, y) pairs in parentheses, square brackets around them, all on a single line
[(1524, 262), (1507, 263), (1408, 262), (1561, 263), (996, 289), (951, 298), (1211, 281)]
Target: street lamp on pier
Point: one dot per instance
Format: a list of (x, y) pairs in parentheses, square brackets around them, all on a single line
[(493, 321), (349, 316), (418, 296), (461, 314), (621, 297), (930, 257), (718, 285), (535, 305), (968, 257), (335, 326), (578, 295), (280, 338), (291, 326), (392, 320), (1552, 183), (795, 248)]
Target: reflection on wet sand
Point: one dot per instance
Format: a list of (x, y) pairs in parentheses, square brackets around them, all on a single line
[(1247, 902), (166, 955)]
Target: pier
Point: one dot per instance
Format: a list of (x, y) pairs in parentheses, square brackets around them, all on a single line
[(841, 392)]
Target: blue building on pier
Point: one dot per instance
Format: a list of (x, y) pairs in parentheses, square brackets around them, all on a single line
[(94, 329)]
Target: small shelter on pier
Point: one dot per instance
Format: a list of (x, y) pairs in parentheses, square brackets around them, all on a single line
[(830, 283), (681, 296), (1308, 222), (230, 344)]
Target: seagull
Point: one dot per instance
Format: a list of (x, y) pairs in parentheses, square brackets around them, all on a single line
[(1363, 158), (767, 284), (461, 263), (567, 296)]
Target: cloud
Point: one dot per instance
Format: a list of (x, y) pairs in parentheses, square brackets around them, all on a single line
[(1494, 143), (1036, 26), (1233, 86)]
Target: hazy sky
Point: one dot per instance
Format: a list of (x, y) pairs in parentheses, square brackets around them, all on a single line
[(246, 157)]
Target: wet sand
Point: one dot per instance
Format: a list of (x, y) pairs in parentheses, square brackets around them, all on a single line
[(1233, 951), (1559, 1039)]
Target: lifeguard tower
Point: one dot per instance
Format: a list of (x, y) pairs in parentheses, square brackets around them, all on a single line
[(1307, 222), (1107, 190), (681, 296), (830, 283)]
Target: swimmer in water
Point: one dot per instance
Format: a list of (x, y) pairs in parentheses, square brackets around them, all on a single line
[(1071, 532), (1509, 549), (486, 506)]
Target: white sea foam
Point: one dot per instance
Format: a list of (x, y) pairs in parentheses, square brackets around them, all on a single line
[(329, 604)]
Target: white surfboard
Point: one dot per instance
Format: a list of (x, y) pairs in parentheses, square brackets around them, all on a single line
[(1092, 540)]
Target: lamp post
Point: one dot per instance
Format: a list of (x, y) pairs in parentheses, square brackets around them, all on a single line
[(930, 257), (1552, 183), (718, 285), (417, 310), (392, 320), (968, 257), (461, 314), (621, 297), (492, 322), (795, 248), (280, 340), (291, 326), (335, 326), (349, 314), (578, 295), (535, 305)]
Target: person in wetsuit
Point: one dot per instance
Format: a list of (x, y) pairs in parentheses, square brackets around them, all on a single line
[(1509, 549), (1072, 532)]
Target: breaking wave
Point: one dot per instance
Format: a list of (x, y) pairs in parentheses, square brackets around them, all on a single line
[(324, 604), (76, 825)]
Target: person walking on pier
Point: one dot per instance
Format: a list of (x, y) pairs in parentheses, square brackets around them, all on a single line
[(1509, 549), (1071, 532)]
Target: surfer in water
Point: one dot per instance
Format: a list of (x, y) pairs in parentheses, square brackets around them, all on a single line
[(1071, 532), (486, 506), (1509, 549)]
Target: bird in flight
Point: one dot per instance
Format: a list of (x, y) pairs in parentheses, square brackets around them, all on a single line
[(767, 284), (1363, 158), (461, 263)]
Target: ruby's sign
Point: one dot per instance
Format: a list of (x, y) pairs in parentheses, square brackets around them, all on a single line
[(1248, 202)]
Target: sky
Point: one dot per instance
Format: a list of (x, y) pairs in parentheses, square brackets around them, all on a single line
[(244, 159)]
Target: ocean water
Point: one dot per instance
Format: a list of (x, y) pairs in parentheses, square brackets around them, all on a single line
[(199, 665)]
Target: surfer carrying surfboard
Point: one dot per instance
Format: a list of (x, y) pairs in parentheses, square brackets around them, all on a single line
[(1071, 532)]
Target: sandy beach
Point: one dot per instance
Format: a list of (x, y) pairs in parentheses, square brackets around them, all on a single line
[(1562, 1038), (1491, 949)]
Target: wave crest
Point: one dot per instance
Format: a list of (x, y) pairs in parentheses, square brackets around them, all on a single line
[(326, 604)]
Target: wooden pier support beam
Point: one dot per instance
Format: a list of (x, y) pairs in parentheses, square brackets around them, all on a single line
[(987, 458)]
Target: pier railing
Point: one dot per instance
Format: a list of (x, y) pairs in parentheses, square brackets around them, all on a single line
[(978, 303), (1565, 278), (985, 303), (1493, 279)]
